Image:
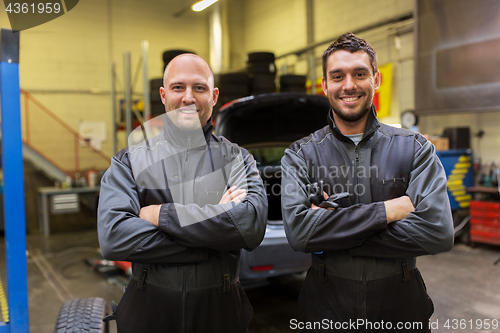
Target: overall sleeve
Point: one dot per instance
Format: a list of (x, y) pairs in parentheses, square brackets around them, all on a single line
[(225, 227), (310, 230), (123, 235), (427, 230)]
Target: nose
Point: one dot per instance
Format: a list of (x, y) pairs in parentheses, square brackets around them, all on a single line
[(188, 97), (349, 83)]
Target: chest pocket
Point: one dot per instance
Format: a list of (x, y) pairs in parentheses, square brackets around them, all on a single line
[(393, 188), (392, 160), (209, 188)]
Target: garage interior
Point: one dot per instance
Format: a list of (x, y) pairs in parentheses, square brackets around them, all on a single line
[(90, 76)]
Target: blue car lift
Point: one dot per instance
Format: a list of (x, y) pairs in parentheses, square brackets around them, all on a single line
[(13, 189)]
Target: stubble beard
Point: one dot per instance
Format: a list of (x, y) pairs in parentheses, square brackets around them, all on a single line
[(352, 117), (184, 124)]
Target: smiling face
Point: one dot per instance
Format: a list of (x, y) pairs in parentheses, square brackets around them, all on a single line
[(188, 93), (350, 85)]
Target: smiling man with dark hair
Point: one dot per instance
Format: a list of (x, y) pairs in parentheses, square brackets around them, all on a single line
[(366, 224)]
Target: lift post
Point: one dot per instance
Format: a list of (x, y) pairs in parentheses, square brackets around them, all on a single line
[(13, 188)]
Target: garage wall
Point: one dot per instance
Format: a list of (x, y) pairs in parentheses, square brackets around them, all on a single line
[(65, 63), (487, 148), (280, 27)]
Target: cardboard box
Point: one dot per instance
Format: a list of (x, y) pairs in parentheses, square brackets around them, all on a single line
[(440, 143)]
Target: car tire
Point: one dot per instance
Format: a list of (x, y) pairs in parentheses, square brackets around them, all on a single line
[(261, 68), (157, 108), (171, 54), (293, 89), (155, 84), (260, 56), (293, 80), (236, 89), (262, 84), (155, 96), (82, 315), (231, 78)]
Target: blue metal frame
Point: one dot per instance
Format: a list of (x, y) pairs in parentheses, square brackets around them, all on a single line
[(13, 191)]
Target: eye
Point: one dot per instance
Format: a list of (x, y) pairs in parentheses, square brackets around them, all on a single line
[(199, 88), (336, 77), (177, 87), (360, 75)]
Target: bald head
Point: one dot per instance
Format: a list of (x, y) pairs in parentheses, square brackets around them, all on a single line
[(180, 59), (188, 91)]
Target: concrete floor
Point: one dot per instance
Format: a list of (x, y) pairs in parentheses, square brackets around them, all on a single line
[(463, 283)]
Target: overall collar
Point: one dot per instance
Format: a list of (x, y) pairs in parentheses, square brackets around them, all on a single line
[(372, 124), (183, 139)]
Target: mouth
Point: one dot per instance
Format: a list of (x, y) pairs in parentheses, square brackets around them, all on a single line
[(349, 99), (188, 110)]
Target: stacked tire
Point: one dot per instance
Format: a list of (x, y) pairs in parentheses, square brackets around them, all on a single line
[(293, 83), (157, 107), (262, 72), (171, 54), (231, 86)]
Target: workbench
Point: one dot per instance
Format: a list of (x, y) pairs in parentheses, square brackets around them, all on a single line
[(55, 200)]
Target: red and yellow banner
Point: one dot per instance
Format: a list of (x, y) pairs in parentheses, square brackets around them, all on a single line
[(382, 98)]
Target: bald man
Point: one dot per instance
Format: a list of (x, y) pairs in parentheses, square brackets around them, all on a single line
[(180, 206)]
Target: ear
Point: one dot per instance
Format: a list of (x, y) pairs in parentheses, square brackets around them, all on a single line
[(162, 95), (215, 95), (377, 80), (324, 86)]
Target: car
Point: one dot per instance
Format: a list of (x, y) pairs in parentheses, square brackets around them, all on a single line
[(266, 125)]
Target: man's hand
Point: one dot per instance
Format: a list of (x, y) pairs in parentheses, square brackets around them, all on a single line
[(150, 213), (398, 209), (313, 206), (233, 195)]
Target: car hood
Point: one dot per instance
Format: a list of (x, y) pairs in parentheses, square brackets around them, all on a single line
[(276, 117)]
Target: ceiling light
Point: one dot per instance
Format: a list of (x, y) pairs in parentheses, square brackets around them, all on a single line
[(200, 5)]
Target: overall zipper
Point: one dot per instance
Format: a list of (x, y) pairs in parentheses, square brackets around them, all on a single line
[(184, 289), (356, 162), (184, 294), (184, 170)]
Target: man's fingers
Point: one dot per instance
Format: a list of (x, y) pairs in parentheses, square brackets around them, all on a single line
[(236, 193), (227, 193), (239, 197), (313, 206), (233, 194)]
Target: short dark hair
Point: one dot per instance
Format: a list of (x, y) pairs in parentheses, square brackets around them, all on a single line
[(351, 43)]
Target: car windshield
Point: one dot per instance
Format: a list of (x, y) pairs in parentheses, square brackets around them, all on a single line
[(269, 153)]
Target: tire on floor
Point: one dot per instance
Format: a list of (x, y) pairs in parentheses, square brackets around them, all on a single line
[(82, 315)]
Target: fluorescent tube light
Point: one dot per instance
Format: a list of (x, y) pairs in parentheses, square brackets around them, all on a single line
[(200, 5)]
